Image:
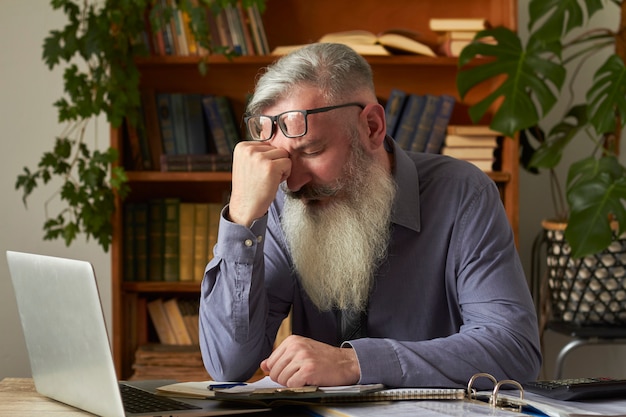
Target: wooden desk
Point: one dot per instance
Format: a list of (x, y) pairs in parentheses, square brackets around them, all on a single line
[(18, 398)]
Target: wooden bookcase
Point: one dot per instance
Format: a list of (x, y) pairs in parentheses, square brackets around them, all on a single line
[(288, 23)]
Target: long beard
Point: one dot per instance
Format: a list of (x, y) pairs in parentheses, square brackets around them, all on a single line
[(336, 247)]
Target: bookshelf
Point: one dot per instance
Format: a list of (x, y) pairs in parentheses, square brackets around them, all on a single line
[(286, 23)]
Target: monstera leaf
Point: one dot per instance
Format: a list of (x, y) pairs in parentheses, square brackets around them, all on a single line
[(608, 95), (528, 81)]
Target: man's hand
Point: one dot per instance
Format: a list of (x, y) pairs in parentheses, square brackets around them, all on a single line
[(300, 361), (258, 170)]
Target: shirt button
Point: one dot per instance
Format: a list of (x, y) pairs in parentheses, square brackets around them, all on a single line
[(248, 242), (259, 239)]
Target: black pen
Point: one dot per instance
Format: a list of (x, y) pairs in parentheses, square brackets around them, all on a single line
[(226, 385)]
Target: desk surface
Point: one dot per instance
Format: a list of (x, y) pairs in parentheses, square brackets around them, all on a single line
[(18, 398)]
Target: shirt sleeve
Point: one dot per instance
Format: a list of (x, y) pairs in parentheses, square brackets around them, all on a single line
[(233, 305)]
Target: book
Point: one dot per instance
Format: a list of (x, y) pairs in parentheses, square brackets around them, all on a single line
[(201, 240), (468, 152), (179, 123), (426, 120), (195, 131), (156, 233), (258, 30), (153, 130), (409, 120), (190, 311), (186, 240), (227, 117), (141, 233), (472, 130), (166, 123), (440, 124), (171, 239), (129, 244), (177, 322), (393, 109), (159, 319), (457, 24), (453, 140), (216, 125), (392, 41)]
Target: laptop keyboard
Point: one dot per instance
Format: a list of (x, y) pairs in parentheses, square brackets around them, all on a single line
[(139, 401)]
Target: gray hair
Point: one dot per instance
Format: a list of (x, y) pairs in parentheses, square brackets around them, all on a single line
[(337, 70)]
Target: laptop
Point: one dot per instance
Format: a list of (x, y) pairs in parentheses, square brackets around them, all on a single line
[(68, 345)]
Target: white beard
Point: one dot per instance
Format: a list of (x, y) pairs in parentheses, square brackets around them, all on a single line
[(336, 247)]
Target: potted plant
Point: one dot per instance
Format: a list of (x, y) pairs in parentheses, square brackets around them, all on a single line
[(98, 47), (534, 79), (533, 76)]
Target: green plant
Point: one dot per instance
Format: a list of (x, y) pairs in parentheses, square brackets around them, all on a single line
[(97, 48), (534, 76)]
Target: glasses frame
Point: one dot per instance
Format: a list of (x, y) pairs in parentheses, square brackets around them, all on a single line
[(305, 113)]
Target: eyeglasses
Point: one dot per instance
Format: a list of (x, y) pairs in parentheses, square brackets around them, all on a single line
[(292, 123)]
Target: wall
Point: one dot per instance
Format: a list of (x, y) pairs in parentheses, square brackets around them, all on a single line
[(29, 125)]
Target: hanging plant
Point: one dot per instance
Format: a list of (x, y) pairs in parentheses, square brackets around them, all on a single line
[(97, 48)]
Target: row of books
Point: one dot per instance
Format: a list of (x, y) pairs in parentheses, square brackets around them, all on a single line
[(235, 29), (169, 240), (456, 34), (418, 122), (175, 320), (191, 132)]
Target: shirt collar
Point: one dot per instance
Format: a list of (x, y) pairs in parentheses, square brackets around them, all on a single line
[(406, 207)]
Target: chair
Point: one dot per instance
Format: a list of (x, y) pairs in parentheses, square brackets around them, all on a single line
[(582, 299)]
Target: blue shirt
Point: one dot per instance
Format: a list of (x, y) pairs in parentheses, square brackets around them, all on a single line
[(450, 300)]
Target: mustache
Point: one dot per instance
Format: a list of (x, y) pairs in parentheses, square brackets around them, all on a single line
[(312, 192)]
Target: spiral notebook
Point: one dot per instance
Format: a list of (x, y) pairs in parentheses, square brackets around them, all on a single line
[(268, 393)]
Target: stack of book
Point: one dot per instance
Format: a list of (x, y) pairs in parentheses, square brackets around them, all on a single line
[(237, 29), (183, 132), (456, 34), (476, 144), (158, 361), (418, 122), (169, 240)]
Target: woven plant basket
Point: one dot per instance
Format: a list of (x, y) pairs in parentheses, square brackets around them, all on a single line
[(587, 291)]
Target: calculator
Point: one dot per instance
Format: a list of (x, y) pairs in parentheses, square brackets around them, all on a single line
[(579, 388)]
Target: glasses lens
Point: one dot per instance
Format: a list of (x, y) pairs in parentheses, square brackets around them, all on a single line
[(260, 127), (293, 123)]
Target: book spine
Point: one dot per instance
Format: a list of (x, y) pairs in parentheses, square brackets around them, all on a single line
[(201, 240), (179, 120), (209, 104), (157, 314), (425, 123), (171, 240), (440, 124), (166, 123), (393, 109), (228, 120), (177, 323), (141, 230), (149, 105), (409, 120), (186, 239), (156, 223), (194, 121), (129, 244)]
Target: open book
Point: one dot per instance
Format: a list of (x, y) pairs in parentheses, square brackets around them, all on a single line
[(389, 42)]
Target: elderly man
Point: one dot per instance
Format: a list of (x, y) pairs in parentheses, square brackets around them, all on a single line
[(398, 268)]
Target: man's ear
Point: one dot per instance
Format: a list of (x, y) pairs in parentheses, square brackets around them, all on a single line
[(376, 124)]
